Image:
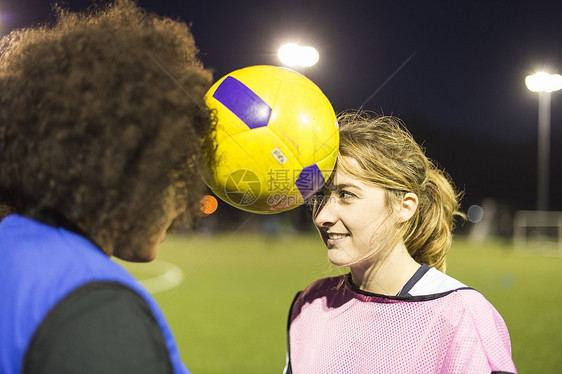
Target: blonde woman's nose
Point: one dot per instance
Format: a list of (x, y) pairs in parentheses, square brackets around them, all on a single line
[(326, 215)]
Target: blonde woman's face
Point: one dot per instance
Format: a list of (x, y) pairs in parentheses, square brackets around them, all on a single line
[(352, 219)]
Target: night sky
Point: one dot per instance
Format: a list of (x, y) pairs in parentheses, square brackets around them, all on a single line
[(452, 70)]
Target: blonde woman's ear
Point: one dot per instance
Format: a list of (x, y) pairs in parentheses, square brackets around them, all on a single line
[(408, 206)]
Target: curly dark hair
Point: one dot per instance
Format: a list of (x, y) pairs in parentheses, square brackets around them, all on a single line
[(100, 114)]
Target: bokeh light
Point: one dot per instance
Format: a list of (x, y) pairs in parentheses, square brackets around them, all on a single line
[(209, 204), (475, 213)]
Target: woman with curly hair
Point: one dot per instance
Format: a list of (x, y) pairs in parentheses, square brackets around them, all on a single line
[(387, 214), (101, 132)]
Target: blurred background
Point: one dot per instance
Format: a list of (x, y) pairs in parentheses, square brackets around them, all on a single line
[(455, 73)]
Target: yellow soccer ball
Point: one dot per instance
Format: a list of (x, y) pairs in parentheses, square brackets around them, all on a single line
[(276, 139)]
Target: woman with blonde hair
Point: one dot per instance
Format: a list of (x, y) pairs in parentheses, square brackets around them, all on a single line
[(387, 214)]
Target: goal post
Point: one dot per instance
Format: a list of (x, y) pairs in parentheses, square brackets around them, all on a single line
[(534, 227)]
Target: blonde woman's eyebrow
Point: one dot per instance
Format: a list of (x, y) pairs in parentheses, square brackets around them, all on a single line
[(341, 186)]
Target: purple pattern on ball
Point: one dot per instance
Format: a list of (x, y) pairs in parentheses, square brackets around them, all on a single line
[(243, 102), (310, 180)]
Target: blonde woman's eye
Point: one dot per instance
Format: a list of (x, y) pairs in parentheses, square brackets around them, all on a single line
[(345, 195)]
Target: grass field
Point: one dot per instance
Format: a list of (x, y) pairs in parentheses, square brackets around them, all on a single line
[(229, 314)]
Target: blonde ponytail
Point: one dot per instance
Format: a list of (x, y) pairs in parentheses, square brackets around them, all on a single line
[(428, 235)]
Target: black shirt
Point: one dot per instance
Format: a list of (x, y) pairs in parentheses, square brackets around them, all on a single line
[(102, 327)]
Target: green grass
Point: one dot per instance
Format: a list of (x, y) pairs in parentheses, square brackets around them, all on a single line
[(230, 313)]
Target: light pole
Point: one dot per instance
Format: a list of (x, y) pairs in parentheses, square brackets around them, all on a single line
[(544, 84)]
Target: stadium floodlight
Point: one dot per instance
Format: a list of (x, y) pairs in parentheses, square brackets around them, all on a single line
[(544, 84), (295, 55)]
